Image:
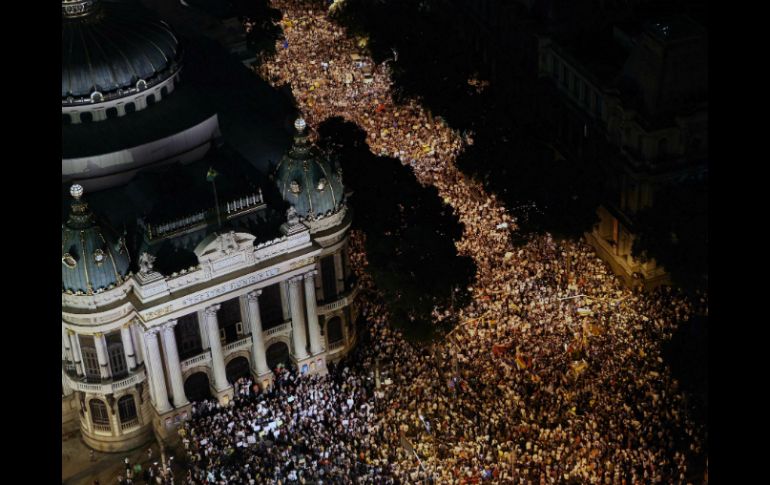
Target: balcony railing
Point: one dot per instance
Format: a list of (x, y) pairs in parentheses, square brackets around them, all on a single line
[(342, 301), (243, 343), (130, 424), (336, 345), (283, 328), (103, 428), (107, 386), (201, 359)]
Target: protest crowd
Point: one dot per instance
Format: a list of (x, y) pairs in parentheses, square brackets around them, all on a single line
[(553, 374)]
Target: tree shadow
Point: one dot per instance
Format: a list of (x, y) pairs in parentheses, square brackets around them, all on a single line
[(410, 232)]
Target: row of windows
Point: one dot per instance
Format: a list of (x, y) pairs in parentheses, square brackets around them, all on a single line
[(575, 84), (112, 112), (100, 414)]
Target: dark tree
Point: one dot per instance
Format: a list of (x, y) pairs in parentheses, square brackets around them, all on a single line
[(674, 231), (410, 232)]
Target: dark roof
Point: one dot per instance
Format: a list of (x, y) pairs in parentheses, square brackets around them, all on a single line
[(307, 180), (184, 108), (113, 47), (93, 257), (162, 194)]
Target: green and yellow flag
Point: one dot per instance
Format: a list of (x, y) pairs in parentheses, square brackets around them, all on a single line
[(211, 175)]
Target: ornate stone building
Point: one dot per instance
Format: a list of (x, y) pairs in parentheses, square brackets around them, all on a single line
[(194, 291)]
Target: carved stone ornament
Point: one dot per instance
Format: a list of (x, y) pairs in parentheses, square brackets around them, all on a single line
[(146, 261), (227, 242), (99, 257), (68, 261), (291, 216)]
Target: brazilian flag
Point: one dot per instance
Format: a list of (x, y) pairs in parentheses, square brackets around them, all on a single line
[(211, 175)]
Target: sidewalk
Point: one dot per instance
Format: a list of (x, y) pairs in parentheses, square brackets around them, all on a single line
[(78, 469)]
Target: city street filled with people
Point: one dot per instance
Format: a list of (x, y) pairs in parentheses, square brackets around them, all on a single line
[(553, 374)]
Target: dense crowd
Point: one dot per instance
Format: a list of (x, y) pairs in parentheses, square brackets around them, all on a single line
[(553, 374)]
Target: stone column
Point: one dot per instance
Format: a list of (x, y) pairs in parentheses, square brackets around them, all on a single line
[(217, 357), (297, 318), (75, 346), (128, 346), (203, 329), (172, 364), (136, 333), (65, 382), (101, 354), (339, 273), (258, 358), (155, 367), (316, 346), (69, 354), (284, 300)]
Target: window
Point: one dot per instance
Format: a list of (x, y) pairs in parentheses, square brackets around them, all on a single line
[(112, 113), (86, 117), (65, 119), (329, 279), (99, 415), (127, 408), (150, 99), (229, 314), (334, 331), (188, 337), (164, 91), (270, 306), (116, 355), (90, 360), (130, 107), (346, 262)]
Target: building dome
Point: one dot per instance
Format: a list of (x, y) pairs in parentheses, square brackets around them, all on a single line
[(307, 180), (92, 260), (113, 48)]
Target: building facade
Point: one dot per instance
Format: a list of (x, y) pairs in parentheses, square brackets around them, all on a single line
[(639, 112), (192, 295)]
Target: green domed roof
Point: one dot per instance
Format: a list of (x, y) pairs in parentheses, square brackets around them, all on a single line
[(307, 180), (92, 260)]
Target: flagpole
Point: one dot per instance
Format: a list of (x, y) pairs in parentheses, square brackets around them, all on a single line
[(211, 177), (216, 203)]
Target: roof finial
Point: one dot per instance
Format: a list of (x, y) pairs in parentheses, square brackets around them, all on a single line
[(76, 191)]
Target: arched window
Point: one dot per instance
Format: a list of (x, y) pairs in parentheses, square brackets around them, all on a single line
[(99, 415), (90, 360), (116, 355), (112, 112), (164, 91), (334, 331), (150, 99), (130, 107), (127, 409), (86, 117)]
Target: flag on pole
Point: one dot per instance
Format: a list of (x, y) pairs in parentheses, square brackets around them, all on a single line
[(211, 175)]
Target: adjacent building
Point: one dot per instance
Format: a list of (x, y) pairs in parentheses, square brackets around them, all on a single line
[(633, 101)]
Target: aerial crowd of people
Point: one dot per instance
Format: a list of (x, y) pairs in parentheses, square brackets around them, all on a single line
[(553, 374)]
